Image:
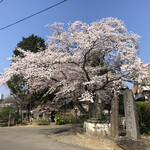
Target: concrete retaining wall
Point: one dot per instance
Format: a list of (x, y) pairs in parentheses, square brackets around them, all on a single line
[(97, 129)]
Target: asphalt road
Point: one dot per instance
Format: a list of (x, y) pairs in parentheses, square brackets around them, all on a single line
[(31, 138)]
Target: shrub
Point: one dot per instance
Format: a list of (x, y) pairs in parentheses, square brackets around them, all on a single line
[(143, 109), (18, 118), (67, 118), (43, 121), (3, 124), (59, 120)]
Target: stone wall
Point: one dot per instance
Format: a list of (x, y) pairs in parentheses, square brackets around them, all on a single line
[(97, 129)]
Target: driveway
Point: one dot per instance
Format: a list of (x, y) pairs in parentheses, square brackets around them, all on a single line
[(31, 138)]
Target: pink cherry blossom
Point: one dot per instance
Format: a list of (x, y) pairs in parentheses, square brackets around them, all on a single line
[(67, 65)]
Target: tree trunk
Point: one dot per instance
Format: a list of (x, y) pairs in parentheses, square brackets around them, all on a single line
[(9, 119), (81, 108), (28, 113), (21, 112), (17, 118)]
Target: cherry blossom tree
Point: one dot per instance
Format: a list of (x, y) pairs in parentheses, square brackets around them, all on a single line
[(49, 107), (87, 62)]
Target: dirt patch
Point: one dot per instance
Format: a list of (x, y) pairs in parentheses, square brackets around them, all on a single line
[(30, 125), (76, 136), (128, 144)]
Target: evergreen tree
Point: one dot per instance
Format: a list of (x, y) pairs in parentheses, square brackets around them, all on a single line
[(17, 84)]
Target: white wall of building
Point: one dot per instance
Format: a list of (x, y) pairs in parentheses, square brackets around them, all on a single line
[(1, 96)]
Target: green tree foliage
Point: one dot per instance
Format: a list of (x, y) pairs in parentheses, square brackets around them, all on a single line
[(17, 83), (5, 114), (20, 92), (143, 109), (32, 43), (39, 99), (17, 86)]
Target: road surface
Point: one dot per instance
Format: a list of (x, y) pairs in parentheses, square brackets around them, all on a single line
[(31, 138)]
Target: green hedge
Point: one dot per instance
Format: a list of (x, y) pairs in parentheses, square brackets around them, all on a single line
[(143, 109)]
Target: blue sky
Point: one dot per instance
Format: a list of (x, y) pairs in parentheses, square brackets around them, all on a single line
[(134, 13)]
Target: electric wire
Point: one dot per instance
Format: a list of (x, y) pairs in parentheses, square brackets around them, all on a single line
[(32, 15)]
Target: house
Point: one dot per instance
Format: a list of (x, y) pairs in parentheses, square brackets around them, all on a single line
[(8, 102), (141, 93), (1, 96)]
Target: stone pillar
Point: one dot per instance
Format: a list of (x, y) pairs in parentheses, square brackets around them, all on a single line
[(114, 117), (131, 118)]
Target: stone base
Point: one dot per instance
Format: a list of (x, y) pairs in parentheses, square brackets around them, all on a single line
[(97, 129)]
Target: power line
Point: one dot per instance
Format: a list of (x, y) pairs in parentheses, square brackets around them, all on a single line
[(32, 15)]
